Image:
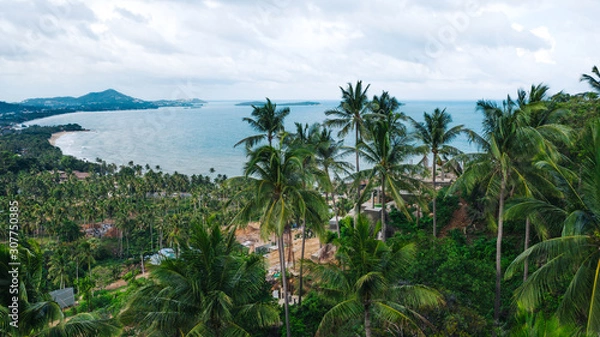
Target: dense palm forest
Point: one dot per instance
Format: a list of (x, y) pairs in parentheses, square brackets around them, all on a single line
[(502, 242)]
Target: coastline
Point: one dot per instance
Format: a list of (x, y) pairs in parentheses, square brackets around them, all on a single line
[(55, 136)]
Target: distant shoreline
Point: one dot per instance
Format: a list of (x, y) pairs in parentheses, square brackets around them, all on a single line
[(55, 136), (259, 103)]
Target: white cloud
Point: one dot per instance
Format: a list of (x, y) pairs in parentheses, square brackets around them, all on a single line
[(516, 26), (282, 48), (544, 55)]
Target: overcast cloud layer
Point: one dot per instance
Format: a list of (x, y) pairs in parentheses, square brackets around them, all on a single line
[(284, 49)]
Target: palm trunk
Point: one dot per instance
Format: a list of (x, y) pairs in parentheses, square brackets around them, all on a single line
[(286, 302), (120, 243), (160, 239), (291, 248), (151, 237), (337, 221), (357, 206), (434, 197), (356, 146), (127, 243), (77, 273), (367, 322), (526, 264), (300, 289), (499, 252), (382, 200), (90, 294)]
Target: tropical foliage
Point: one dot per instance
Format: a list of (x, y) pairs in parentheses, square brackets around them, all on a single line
[(214, 289), (367, 284), (571, 258), (526, 205), (435, 134)]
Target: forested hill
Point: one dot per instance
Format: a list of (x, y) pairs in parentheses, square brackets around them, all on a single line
[(106, 100), (32, 108)]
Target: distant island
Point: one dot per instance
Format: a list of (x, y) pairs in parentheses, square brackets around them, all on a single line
[(33, 108), (258, 103)]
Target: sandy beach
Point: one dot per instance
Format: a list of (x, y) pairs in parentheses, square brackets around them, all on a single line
[(56, 136)]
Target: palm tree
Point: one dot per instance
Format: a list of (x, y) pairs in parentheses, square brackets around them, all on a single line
[(594, 83), (84, 252), (366, 284), (267, 120), (50, 321), (386, 107), (389, 150), (213, 289), (505, 141), (59, 266), (436, 135), (328, 157), (308, 138), (538, 325), (350, 116), (575, 255), (40, 317), (544, 118), (277, 184), (385, 104)]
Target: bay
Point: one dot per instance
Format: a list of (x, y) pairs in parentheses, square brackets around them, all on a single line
[(192, 141)]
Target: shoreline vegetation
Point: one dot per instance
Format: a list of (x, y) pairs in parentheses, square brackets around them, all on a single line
[(107, 100), (473, 251)]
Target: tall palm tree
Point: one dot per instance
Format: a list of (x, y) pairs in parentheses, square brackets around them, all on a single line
[(436, 135), (366, 284), (59, 267), (328, 157), (594, 83), (386, 107), (544, 119), (385, 104), (84, 252), (506, 139), (307, 138), (575, 255), (277, 184), (267, 120), (350, 116), (389, 151), (213, 289)]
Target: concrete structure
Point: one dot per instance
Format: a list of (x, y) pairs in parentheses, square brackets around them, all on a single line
[(64, 297), (165, 253)]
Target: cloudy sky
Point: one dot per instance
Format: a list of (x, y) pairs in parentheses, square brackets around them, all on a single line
[(285, 49)]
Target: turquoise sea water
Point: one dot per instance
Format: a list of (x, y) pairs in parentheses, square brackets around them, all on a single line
[(192, 141)]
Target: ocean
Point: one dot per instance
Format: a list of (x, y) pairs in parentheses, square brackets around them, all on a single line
[(194, 140)]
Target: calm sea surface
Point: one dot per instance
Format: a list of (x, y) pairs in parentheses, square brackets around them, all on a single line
[(192, 141)]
